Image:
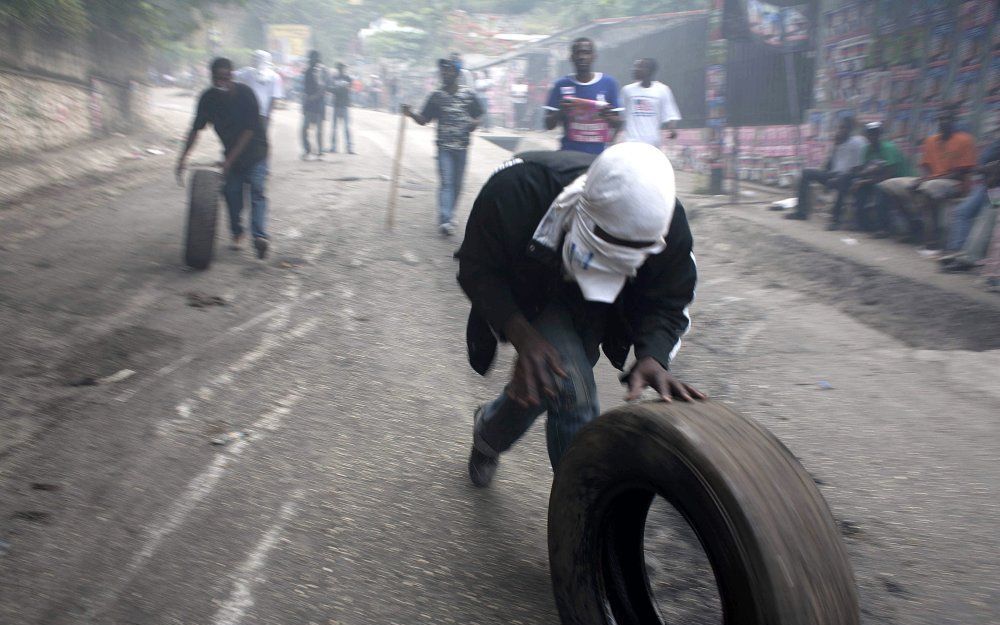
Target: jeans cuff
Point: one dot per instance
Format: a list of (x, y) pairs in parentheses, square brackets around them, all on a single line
[(481, 445)]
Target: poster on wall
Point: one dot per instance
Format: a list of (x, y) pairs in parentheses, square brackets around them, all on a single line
[(875, 94), (933, 85), (939, 45), (990, 125), (888, 16), (993, 81), (781, 24), (972, 46)]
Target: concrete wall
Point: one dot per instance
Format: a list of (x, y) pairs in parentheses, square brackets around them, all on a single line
[(56, 90)]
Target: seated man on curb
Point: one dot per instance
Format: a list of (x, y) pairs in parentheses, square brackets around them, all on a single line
[(881, 160), (947, 159), (967, 211), (838, 175), (565, 254), (976, 245)]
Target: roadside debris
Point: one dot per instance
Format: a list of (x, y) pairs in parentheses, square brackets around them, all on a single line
[(849, 241), (200, 300), (90, 380), (4, 547), (786, 204), (824, 385), (292, 263), (124, 374), (228, 437), (33, 516), (849, 528), (44, 486), (410, 258)]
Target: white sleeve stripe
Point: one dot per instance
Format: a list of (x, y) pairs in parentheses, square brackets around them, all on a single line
[(687, 315)]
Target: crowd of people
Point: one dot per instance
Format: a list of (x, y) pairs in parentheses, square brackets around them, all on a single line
[(595, 217), (601, 213), (949, 207), (591, 109)]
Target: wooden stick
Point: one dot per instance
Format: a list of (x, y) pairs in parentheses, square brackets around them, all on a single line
[(390, 220)]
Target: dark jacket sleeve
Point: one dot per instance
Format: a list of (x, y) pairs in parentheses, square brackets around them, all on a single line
[(484, 262), (664, 288)]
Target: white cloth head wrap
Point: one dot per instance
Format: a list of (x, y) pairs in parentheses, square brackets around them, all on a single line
[(629, 192)]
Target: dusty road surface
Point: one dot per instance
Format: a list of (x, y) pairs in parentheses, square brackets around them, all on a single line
[(340, 360)]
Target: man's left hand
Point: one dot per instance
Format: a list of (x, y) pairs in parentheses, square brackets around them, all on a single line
[(649, 372)]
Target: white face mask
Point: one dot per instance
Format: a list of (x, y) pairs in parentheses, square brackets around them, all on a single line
[(599, 267)]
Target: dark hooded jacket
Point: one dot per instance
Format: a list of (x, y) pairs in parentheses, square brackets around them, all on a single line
[(503, 271)]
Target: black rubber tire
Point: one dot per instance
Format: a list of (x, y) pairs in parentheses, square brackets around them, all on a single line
[(203, 213), (772, 542)]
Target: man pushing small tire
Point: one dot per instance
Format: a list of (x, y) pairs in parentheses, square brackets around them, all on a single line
[(232, 109), (566, 254)]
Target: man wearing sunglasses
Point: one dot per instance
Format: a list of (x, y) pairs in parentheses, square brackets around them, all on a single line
[(566, 254)]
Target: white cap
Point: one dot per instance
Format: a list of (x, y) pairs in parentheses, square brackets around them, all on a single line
[(261, 57), (630, 194)]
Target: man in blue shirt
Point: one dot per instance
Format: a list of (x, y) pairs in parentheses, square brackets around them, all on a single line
[(586, 103)]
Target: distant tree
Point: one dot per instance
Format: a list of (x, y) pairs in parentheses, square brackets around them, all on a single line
[(152, 24)]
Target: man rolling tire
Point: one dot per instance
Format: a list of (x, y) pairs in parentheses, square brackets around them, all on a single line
[(564, 255), (232, 109)]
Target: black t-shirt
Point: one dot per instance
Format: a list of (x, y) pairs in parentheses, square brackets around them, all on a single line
[(340, 86), (230, 113)]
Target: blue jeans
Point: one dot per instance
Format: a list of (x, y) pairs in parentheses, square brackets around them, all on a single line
[(451, 167), (341, 113), (254, 175), (964, 215), (503, 422)]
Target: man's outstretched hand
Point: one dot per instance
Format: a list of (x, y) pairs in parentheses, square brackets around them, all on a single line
[(537, 367), (649, 372)]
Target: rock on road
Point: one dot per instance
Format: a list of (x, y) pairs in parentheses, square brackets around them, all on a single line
[(340, 361)]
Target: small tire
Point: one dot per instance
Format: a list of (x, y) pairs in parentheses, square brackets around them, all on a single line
[(771, 540), (203, 212)]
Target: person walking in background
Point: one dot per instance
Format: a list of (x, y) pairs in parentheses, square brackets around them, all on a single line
[(457, 112), (838, 174), (650, 107), (313, 104), (393, 94), (585, 103), (232, 109), (483, 86), (519, 98), (265, 82), (465, 77), (340, 87)]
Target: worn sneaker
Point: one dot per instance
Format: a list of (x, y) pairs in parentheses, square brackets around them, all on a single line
[(482, 467), (260, 244), (237, 243), (447, 229)]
